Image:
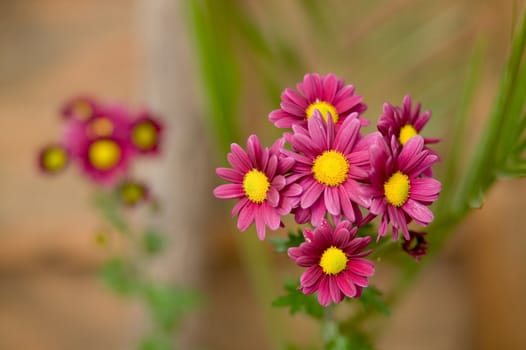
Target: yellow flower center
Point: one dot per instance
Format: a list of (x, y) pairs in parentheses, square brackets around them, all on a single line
[(330, 168), (104, 154), (100, 127), (54, 158), (333, 261), (144, 135), (406, 132), (132, 193), (324, 108), (256, 185), (396, 189), (82, 110)]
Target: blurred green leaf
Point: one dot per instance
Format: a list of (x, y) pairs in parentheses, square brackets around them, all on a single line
[(168, 304), (157, 342), (117, 275), (299, 302), (372, 301), (152, 241), (109, 207), (282, 244)]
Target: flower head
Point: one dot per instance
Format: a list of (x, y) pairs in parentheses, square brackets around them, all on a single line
[(403, 122), (326, 94), (398, 190), (258, 179), (104, 159), (146, 132), (132, 193), (53, 159), (329, 167), (113, 122), (80, 108), (416, 245), (335, 262)]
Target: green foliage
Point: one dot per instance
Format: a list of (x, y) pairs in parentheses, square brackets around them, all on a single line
[(282, 244), (335, 340), (152, 241), (168, 304), (372, 301), (117, 275), (109, 207), (299, 302), (156, 342)]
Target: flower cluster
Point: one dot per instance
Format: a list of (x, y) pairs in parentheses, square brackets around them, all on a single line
[(103, 140), (325, 170)]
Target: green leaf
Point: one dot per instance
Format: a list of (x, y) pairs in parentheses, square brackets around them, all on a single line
[(282, 244), (335, 340), (152, 241), (118, 276), (109, 207), (299, 302), (156, 342), (168, 304), (371, 300)]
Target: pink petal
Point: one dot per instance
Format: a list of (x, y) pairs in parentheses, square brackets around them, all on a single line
[(332, 201), (246, 217), (336, 294), (418, 212), (361, 266), (231, 175), (346, 285), (311, 194), (311, 276), (229, 191), (324, 295)]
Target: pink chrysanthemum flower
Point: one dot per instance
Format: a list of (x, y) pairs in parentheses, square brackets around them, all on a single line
[(104, 159), (80, 108), (329, 166), (145, 135), (416, 246), (259, 182), (326, 94), (113, 122), (53, 158), (398, 191), (335, 262), (403, 122)]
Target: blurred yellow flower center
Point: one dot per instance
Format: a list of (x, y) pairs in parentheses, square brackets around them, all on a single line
[(256, 185), (104, 154), (144, 135), (101, 127), (333, 261), (54, 158), (330, 168), (325, 109), (396, 189), (132, 193), (82, 110), (406, 132)]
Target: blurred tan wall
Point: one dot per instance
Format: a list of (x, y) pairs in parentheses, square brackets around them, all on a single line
[(50, 298)]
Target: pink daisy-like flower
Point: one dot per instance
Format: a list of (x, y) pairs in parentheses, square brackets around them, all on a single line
[(335, 262), (104, 159), (329, 167), (326, 94), (416, 246), (53, 158), (146, 132), (80, 108), (403, 122), (258, 179), (398, 190)]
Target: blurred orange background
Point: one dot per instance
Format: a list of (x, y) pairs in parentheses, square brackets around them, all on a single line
[(470, 297)]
